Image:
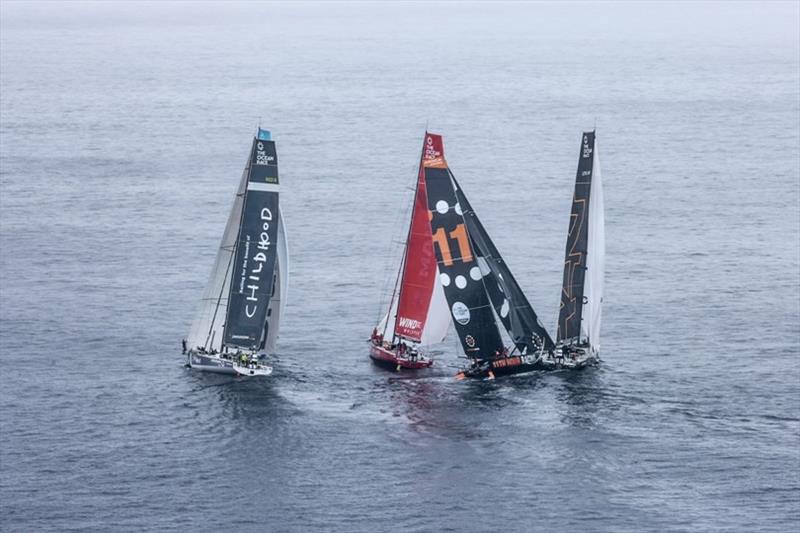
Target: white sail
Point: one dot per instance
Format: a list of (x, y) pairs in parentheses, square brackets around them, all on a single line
[(206, 331), (280, 289), (595, 259), (438, 321)]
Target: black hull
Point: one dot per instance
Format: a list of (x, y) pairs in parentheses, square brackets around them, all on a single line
[(504, 367)]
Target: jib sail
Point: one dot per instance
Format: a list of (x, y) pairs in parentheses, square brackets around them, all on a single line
[(510, 303), (208, 325)]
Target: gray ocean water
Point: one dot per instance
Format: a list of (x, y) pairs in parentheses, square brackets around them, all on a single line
[(124, 130)]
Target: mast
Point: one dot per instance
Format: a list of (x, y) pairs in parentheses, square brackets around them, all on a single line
[(573, 294)]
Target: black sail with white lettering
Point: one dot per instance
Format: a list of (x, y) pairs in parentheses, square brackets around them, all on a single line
[(510, 303), (572, 291), (253, 271), (460, 274)]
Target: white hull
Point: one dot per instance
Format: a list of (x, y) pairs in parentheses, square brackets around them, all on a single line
[(219, 365), (579, 358)]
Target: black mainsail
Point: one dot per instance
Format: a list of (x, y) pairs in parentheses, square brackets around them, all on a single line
[(460, 274), (573, 296), (253, 269), (510, 303)]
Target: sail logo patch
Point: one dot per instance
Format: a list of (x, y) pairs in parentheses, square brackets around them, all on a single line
[(470, 340), (432, 154), (587, 150), (409, 323), (461, 313), (262, 157)]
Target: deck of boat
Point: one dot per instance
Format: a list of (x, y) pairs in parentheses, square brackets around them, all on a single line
[(389, 359)]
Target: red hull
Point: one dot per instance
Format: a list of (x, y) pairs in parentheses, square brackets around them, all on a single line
[(387, 357)]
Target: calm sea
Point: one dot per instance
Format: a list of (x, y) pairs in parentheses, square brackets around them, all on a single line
[(124, 129)]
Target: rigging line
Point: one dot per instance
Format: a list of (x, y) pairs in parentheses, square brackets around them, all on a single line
[(392, 257), (397, 228)]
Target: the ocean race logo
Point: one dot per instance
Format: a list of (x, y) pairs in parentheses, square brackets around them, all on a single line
[(432, 153), (587, 149), (262, 157)]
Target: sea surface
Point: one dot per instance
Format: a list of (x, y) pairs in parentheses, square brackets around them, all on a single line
[(124, 129)]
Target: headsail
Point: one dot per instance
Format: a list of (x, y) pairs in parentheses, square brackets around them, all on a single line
[(459, 272), (510, 303), (595, 258), (582, 289), (252, 276), (207, 327), (277, 302)]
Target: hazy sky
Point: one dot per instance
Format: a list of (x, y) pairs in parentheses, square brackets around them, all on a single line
[(713, 21)]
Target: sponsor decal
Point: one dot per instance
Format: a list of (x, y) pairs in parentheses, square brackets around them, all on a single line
[(461, 313), (587, 149), (409, 323), (262, 158), (507, 362), (470, 340), (250, 281), (433, 153)]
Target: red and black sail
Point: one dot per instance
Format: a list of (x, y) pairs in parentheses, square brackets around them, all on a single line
[(419, 269)]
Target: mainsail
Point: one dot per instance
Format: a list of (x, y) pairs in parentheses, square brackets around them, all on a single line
[(510, 303), (237, 308), (459, 271), (254, 262), (582, 290)]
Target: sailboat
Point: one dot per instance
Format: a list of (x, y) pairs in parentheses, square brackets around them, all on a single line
[(580, 312), (418, 316), (239, 316), (482, 294)]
